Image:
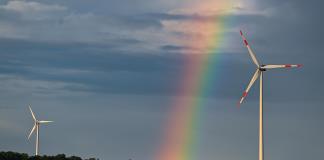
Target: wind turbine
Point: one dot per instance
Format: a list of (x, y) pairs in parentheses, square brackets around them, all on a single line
[(36, 126), (259, 73)]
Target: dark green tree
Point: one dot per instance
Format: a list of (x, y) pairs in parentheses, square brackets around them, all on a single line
[(23, 156)]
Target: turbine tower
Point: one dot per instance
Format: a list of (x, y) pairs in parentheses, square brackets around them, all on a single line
[(259, 73), (36, 126)]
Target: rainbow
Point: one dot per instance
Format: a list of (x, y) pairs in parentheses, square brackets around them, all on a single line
[(180, 137)]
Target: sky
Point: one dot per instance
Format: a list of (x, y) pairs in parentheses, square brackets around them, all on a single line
[(107, 73)]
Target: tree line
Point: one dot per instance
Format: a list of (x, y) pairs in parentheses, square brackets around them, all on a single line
[(23, 156)]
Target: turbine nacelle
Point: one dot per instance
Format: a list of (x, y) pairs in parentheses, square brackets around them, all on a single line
[(262, 69)]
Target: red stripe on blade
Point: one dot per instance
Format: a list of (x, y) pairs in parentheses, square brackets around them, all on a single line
[(246, 43), (241, 33), (288, 65), (299, 65), (244, 94)]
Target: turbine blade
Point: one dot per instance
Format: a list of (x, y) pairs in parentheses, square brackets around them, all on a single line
[(32, 113), (32, 130), (250, 50), (254, 78), (45, 121), (271, 66)]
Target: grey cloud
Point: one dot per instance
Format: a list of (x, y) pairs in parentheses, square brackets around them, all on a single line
[(59, 23), (171, 48), (100, 68), (167, 16), (31, 6), (138, 21)]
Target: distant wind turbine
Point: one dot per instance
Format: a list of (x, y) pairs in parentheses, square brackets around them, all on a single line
[(259, 73), (36, 126)]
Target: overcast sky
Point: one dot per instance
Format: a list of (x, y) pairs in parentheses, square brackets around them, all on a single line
[(107, 72)]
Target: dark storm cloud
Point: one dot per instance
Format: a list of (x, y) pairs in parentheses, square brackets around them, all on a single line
[(167, 16), (297, 20), (171, 48), (102, 68), (138, 21)]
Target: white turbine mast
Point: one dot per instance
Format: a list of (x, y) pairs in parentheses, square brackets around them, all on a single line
[(259, 73), (36, 126)]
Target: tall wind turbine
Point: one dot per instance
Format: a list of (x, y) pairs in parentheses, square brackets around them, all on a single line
[(259, 73), (36, 126)]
